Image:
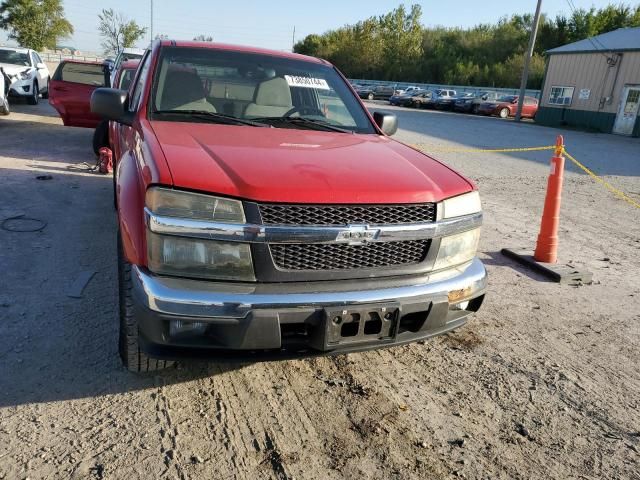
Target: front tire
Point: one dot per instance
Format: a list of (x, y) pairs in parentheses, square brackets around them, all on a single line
[(5, 109), (132, 358), (474, 109), (101, 136), (35, 95), (370, 96), (45, 95), (504, 113)]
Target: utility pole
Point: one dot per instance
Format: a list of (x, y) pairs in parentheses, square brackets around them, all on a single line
[(527, 60), (293, 38), (151, 21)]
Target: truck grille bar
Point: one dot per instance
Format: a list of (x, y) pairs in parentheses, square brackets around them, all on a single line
[(334, 256), (299, 214)]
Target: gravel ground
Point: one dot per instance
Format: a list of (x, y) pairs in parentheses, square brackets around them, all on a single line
[(542, 383)]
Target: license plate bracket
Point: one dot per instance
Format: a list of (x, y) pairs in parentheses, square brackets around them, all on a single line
[(361, 324)]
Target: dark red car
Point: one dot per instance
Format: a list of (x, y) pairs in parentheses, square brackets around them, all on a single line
[(264, 213), (507, 105), (71, 88)]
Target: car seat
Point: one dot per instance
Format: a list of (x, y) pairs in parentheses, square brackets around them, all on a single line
[(183, 90), (273, 99)]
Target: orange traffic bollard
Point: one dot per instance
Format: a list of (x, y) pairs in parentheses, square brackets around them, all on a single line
[(547, 245)]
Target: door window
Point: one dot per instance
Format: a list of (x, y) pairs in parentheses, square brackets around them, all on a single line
[(140, 81), (631, 105), (83, 73)]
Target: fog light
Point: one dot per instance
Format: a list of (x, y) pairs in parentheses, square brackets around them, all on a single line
[(182, 327)]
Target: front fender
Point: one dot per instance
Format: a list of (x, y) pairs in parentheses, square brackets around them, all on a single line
[(130, 195)]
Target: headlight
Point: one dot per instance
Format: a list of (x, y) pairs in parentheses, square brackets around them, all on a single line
[(192, 257), (195, 206), (457, 249), (26, 75), (462, 205)]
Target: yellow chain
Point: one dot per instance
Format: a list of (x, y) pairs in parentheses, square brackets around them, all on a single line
[(618, 193), (436, 148)]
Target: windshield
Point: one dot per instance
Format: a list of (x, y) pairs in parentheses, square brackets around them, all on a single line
[(255, 87), (14, 58)]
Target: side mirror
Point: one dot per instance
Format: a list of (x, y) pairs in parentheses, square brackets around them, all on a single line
[(40, 66), (387, 122), (111, 104)]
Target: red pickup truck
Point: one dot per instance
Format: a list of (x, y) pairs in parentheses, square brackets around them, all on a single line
[(264, 213)]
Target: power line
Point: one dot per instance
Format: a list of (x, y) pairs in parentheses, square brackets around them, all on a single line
[(592, 40)]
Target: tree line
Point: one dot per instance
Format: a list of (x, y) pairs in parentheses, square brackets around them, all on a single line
[(39, 24), (397, 47)]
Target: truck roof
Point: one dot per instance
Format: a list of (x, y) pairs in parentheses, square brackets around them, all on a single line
[(241, 48)]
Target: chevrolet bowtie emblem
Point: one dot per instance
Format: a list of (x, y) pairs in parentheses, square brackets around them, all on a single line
[(357, 234)]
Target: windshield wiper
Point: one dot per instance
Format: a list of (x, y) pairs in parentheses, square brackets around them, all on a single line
[(313, 124), (214, 117)]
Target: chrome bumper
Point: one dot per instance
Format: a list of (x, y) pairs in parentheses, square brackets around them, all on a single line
[(211, 300), (263, 321)]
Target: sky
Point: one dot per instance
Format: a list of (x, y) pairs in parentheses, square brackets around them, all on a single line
[(270, 24)]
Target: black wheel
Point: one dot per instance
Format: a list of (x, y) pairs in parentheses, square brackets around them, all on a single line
[(101, 136), (35, 95), (45, 95), (504, 113), (132, 358), (370, 96), (474, 109)]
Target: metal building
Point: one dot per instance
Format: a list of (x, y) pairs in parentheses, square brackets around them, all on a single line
[(594, 84)]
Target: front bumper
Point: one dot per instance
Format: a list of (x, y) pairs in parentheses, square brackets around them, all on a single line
[(264, 321), (21, 88)]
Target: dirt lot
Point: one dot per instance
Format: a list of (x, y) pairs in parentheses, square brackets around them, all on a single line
[(542, 383)]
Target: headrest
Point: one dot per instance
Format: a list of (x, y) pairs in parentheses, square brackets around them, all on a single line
[(274, 93)]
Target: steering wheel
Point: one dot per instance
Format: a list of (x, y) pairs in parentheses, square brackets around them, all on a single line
[(303, 111)]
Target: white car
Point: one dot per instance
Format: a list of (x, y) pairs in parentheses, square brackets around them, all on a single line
[(407, 90), (28, 73), (5, 81), (123, 56)]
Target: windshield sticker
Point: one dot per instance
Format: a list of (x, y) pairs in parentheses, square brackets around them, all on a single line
[(307, 82)]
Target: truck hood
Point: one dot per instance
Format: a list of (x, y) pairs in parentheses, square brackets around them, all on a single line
[(302, 166)]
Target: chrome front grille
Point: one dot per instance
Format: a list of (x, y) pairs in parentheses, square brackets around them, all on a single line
[(301, 214), (336, 256)]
